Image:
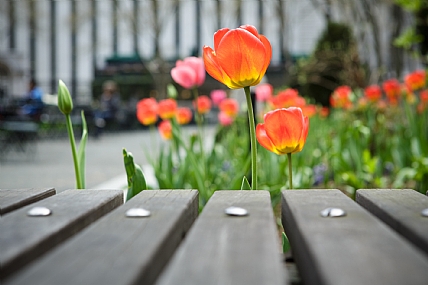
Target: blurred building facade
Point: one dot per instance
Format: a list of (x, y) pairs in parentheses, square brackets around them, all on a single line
[(73, 39)]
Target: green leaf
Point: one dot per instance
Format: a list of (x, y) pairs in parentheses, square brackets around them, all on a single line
[(136, 180), (285, 243), (245, 185), (81, 151)]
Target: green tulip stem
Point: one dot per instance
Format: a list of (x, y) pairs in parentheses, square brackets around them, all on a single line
[(73, 151), (252, 139), (290, 170)]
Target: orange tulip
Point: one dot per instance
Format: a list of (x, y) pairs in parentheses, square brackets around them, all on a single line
[(167, 108), (165, 129), (392, 90), (341, 97), (284, 130), (184, 115), (230, 107), (203, 104), (416, 79), (240, 57), (373, 93), (147, 111)]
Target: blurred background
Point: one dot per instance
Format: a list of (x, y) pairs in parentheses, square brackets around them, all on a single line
[(317, 44)]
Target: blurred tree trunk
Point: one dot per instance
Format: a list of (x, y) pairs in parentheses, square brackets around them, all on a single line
[(397, 60)]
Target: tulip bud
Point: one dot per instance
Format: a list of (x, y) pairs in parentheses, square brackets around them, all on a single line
[(172, 91), (65, 103)]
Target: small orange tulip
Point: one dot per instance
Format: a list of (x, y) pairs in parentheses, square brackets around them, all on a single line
[(147, 111), (165, 129), (240, 57), (416, 79), (184, 115), (203, 104), (373, 93), (284, 130), (230, 107), (167, 108)]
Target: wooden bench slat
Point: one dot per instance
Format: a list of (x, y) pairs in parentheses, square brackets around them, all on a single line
[(12, 199), (221, 249), (117, 249), (401, 210), (24, 238), (355, 249)]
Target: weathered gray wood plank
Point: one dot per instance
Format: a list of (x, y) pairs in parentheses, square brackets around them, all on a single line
[(12, 199), (221, 249), (355, 249), (24, 238), (401, 210), (117, 249)]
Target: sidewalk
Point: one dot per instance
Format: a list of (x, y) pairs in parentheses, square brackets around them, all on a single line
[(52, 164)]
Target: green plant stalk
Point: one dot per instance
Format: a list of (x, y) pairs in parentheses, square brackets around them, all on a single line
[(74, 151), (252, 139), (290, 170)]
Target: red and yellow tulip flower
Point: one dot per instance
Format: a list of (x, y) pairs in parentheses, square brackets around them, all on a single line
[(230, 107), (240, 57), (165, 129), (167, 108), (147, 111), (203, 104), (373, 93), (183, 116), (284, 131)]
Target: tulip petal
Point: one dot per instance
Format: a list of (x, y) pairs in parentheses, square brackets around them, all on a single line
[(218, 36), (184, 75), (242, 57), (263, 139), (211, 65)]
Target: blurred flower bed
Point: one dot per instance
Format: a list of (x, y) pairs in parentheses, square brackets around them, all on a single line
[(375, 137)]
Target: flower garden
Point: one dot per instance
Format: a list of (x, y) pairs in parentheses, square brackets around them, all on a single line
[(375, 137)]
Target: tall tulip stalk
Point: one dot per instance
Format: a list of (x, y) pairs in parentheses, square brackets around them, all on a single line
[(239, 59), (65, 105)]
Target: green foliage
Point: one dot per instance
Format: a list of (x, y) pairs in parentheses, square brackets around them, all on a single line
[(136, 179), (285, 243)]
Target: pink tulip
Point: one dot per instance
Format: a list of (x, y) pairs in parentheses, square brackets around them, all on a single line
[(264, 92), (189, 73), (217, 96), (224, 119)]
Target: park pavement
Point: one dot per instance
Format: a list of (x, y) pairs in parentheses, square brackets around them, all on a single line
[(51, 163)]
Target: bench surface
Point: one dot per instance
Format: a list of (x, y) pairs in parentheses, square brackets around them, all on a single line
[(12, 199), (221, 249), (24, 238), (354, 249), (401, 210), (118, 249)]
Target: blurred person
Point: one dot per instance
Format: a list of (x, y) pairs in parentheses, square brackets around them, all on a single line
[(32, 104), (108, 108)]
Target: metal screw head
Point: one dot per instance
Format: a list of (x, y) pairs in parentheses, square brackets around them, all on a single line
[(333, 212), (137, 213), (236, 211), (39, 212), (424, 212)]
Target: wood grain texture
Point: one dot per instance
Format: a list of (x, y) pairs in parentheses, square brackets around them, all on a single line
[(221, 249), (117, 249), (401, 210), (24, 238), (355, 249), (12, 199)]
